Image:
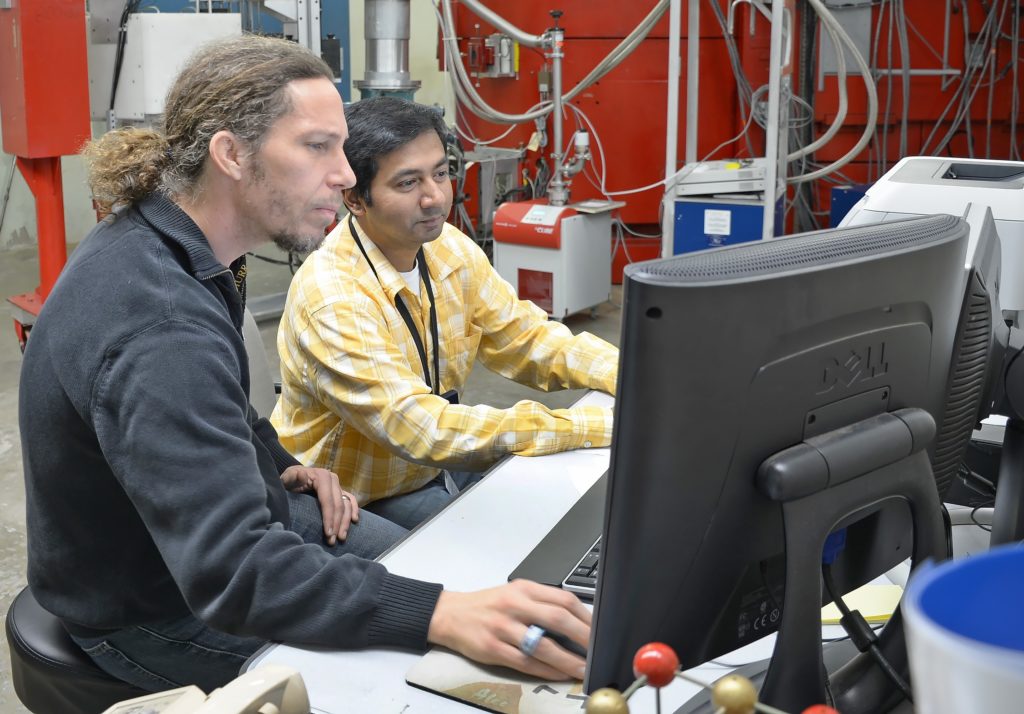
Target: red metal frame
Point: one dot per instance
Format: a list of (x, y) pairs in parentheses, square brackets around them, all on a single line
[(43, 177), (44, 103)]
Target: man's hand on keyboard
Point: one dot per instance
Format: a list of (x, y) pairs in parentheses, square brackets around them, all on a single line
[(489, 626)]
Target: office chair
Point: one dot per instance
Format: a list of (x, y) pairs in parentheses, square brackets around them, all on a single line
[(262, 388), (50, 672)]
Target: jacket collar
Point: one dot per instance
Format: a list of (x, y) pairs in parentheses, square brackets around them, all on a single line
[(168, 218)]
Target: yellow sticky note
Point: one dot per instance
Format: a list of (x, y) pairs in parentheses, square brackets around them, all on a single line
[(875, 602)]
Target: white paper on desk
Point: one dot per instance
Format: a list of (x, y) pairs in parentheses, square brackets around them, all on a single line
[(492, 688)]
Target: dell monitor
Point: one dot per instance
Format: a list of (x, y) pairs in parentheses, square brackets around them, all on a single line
[(837, 340)]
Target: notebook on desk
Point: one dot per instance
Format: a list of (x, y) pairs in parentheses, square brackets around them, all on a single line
[(558, 557)]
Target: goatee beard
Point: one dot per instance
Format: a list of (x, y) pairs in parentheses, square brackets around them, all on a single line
[(302, 244)]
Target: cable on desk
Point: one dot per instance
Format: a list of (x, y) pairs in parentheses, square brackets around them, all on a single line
[(824, 641), (863, 636), (975, 521), (975, 482)]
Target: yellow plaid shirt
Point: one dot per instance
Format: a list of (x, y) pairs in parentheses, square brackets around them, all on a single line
[(354, 399)]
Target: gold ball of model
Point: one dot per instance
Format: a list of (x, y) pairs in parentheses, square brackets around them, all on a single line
[(607, 701), (734, 694)]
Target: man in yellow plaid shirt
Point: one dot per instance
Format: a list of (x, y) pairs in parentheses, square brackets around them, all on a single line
[(383, 323)]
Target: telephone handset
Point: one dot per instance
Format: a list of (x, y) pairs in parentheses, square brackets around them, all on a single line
[(271, 689)]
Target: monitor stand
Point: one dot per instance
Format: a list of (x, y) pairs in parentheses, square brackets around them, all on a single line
[(1008, 516), (820, 483), (834, 656)]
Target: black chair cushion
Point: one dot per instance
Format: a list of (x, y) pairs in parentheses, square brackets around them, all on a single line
[(51, 673)]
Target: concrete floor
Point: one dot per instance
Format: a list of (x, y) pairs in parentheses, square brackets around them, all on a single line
[(19, 273)]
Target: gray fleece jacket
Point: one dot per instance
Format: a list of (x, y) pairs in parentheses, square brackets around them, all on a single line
[(152, 488)]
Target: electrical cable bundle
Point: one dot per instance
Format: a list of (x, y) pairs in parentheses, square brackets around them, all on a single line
[(466, 92), (130, 7)]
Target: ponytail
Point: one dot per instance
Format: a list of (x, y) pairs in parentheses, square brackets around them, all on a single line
[(125, 166)]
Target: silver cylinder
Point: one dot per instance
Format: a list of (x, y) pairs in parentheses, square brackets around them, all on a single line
[(386, 28), (558, 188)]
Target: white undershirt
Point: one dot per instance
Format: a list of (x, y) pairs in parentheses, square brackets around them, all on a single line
[(412, 278)]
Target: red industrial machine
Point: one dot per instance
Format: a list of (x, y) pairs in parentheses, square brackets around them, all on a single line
[(558, 257), (627, 107), (954, 88), (44, 105), (626, 111)]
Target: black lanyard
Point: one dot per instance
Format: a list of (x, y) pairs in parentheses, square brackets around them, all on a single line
[(407, 318)]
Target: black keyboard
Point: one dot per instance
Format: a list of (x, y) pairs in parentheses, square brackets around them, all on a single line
[(582, 578)]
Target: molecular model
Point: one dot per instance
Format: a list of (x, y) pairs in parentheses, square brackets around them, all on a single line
[(657, 665)]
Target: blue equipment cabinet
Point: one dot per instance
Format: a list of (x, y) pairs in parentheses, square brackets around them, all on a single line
[(842, 199), (711, 221)]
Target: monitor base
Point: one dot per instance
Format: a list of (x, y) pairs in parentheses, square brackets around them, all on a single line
[(834, 654)]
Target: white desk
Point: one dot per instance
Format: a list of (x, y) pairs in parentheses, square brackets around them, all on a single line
[(473, 544)]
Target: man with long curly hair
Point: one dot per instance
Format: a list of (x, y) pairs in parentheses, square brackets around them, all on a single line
[(167, 528)]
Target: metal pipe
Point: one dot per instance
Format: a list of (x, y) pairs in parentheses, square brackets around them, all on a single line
[(556, 88), (1015, 105), (386, 27), (472, 100), (558, 193), (692, 79), (774, 167), (672, 112), (934, 72), (503, 25), (945, 46)]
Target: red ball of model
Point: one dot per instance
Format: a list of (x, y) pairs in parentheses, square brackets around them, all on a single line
[(656, 661), (819, 709)]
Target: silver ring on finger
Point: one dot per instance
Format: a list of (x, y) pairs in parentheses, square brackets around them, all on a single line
[(531, 640)]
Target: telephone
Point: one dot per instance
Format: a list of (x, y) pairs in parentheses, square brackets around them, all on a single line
[(271, 689)]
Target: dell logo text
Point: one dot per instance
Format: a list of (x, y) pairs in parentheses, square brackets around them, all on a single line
[(859, 365)]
